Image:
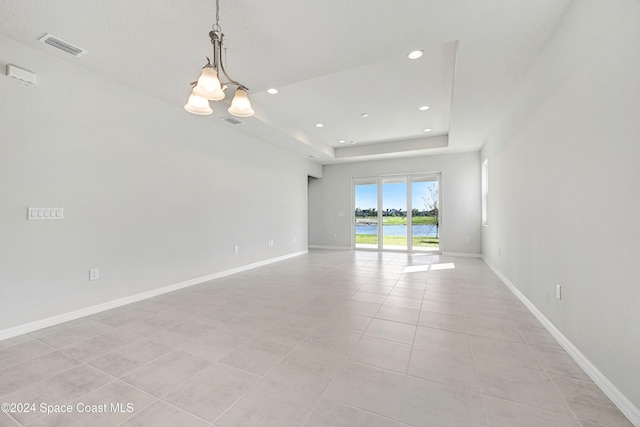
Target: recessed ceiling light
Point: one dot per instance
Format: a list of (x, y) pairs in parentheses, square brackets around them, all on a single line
[(342, 141), (319, 125), (423, 108), (272, 91), (415, 54), (364, 115), (428, 130)]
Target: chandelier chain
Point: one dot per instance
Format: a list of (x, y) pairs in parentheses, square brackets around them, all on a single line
[(217, 27)]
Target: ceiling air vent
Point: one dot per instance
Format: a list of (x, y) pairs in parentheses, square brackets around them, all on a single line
[(62, 45), (232, 120)]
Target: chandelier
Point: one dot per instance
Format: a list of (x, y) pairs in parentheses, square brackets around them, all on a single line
[(210, 88)]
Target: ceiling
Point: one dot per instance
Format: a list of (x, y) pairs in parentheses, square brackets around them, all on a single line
[(332, 61)]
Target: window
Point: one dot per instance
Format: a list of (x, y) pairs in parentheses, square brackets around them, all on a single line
[(485, 192)]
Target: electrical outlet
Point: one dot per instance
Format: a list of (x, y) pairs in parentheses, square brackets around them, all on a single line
[(558, 291), (235, 249), (94, 274)]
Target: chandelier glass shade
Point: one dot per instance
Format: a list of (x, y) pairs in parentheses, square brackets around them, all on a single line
[(198, 105), (240, 106), (209, 87)]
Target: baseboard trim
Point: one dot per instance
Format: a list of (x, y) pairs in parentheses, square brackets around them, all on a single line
[(73, 315), (338, 248), (617, 397), (463, 254)]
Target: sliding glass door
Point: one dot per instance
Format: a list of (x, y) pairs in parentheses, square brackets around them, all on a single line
[(425, 213), (394, 213), (365, 192), (400, 212)]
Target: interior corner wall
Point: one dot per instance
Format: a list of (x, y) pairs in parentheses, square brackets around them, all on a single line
[(152, 195), (330, 199), (563, 187)]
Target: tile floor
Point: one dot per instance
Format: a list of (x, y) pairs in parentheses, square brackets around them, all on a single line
[(333, 338)]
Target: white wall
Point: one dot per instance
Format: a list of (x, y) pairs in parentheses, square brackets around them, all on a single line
[(564, 174), (460, 192), (152, 195)]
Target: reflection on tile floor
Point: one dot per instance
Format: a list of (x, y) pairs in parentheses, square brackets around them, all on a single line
[(332, 338)]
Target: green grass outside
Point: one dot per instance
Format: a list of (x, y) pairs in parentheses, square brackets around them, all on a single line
[(420, 241), (398, 220)]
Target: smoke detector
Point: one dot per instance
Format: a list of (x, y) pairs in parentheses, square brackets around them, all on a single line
[(21, 75)]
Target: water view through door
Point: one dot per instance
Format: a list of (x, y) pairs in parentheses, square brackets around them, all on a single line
[(397, 213)]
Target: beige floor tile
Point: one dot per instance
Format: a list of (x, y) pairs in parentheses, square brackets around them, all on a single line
[(525, 320), (166, 373), (61, 389), (453, 369), (398, 314), (426, 403), (503, 413), (23, 374), (501, 351), (404, 302), (333, 414), (373, 297), (11, 342), (491, 327), (291, 330), (125, 359), (212, 391), (176, 335), (257, 356), (361, 308), (98, 345), (371, 389), (19, 353), (407, 292), (338, 342), (527, 386), (344, 322), (439, 295), (269, 404), (81, 331), (443, 307), (443, 321), (559, 362), (308, 369), (439, 339), (392, 331), (219, 343), (539, 337), (479, 311), (161, 414), (109, 405), (383, 354), (7, 421), (589, 403)]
